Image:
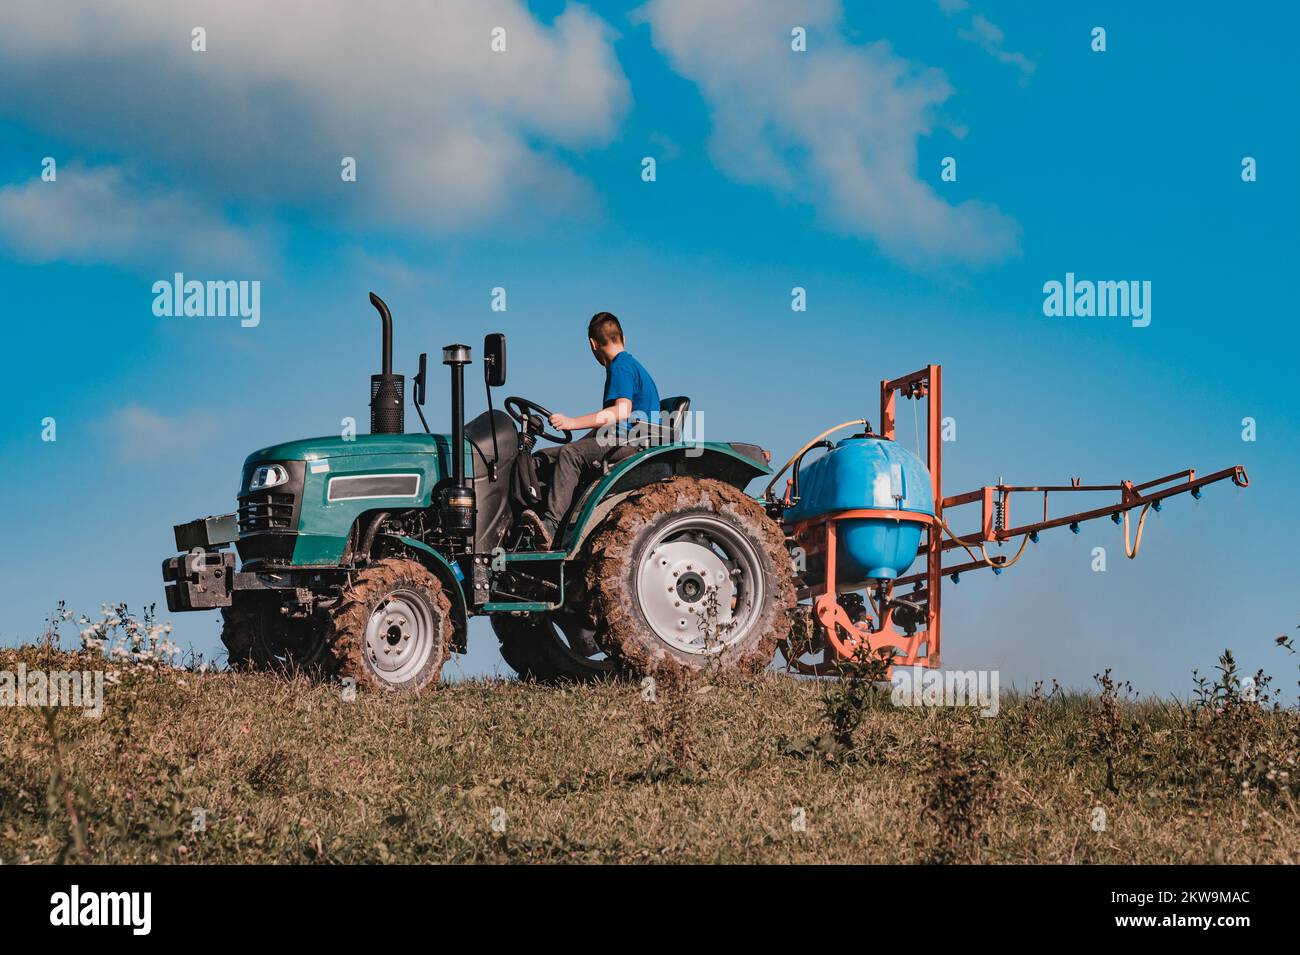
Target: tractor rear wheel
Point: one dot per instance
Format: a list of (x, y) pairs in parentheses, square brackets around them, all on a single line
[(689, 574), (392, 629), (547, 650)]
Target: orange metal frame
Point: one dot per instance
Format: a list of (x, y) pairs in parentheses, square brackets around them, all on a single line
[(817, 537)]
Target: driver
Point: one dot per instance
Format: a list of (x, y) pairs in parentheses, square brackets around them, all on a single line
[(630, 396)]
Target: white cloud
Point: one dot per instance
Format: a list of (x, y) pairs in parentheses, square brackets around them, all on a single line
[(138, 432), (836, 126), (446, 133), (987, 35), (389, 272), (93, 215)]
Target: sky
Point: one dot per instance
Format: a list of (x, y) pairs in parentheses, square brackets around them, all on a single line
[(774, 168)]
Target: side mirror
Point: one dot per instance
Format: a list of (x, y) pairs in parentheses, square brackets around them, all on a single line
[(417, 396), (420, 378), (494, 359)]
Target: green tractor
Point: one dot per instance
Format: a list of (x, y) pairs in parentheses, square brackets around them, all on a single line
[(363, 557)]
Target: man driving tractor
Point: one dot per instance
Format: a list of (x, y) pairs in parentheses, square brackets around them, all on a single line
[(630, 396)]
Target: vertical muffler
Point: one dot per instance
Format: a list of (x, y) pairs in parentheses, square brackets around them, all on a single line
[(458, 509), (387, 405)]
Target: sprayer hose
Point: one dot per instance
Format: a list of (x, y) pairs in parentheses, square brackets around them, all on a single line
[(767, 491), (1129, 551), (984, 554), (1137, 541)]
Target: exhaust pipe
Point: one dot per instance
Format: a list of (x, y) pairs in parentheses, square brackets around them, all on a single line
[(458, 505), (387, 410)]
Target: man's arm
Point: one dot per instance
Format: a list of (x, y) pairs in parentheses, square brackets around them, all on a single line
[(620, 410)]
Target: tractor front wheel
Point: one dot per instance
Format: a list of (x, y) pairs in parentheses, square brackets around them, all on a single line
[(690, 574), (392, 629)]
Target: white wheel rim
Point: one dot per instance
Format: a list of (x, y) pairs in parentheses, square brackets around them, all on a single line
[(400, 637), (685, 561)]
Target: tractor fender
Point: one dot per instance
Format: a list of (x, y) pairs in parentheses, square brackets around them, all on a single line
[(450, 577), (722, 462)]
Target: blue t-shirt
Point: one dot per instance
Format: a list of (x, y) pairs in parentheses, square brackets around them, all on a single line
[(625, 377)]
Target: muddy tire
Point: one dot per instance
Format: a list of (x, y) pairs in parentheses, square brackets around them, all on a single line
[(689, 574), (237, 633), (392, 628), (259, 637), (537, 648)]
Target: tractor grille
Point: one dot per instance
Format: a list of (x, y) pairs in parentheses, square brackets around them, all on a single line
[(268, 519), (266, 511)]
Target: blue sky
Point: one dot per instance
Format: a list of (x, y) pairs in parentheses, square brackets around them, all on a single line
[(775, 169)]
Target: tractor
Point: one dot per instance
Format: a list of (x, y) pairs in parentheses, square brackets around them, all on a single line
[(363, 557)]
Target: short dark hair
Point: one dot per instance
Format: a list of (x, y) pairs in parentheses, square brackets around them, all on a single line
[(604, 328)]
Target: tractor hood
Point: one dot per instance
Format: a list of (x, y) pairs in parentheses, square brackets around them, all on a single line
[(334, 446)]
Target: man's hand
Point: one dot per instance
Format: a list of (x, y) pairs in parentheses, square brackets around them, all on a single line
[(597, 419)]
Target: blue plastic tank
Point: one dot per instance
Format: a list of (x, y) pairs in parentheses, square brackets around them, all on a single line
[(867, 472)]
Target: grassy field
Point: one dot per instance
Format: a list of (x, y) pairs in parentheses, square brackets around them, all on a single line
[(223, 767)]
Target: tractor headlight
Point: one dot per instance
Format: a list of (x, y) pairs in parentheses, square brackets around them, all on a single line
[(268, 475)]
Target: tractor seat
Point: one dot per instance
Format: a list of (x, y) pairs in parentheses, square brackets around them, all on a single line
[(668, 430), (494, 516), (672, 415)]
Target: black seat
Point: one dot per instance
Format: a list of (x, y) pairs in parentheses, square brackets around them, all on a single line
[(492, 497), (672, 416), (478, 431), (669, 429)]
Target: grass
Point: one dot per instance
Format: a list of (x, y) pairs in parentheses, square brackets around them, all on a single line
[(290, 772), (218, 767)]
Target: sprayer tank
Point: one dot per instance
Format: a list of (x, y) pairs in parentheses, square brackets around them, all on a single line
[(867, 473)]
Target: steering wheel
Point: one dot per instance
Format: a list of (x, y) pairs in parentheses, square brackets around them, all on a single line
[(518, 409)]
